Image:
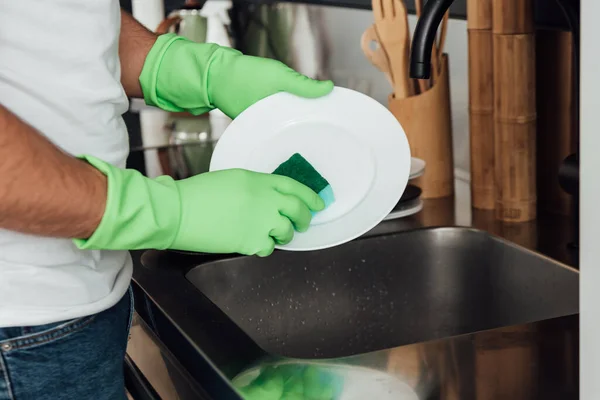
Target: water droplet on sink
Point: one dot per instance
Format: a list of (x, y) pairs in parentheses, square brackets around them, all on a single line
[(333, 294), (363, 261)]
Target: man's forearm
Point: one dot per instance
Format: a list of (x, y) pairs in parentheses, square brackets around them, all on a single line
[(134, 44), (44, 191)]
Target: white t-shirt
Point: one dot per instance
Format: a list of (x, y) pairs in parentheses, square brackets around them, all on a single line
[(60, 72)]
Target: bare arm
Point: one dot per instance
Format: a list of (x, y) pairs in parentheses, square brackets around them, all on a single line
[(43, 190), (134, 44)]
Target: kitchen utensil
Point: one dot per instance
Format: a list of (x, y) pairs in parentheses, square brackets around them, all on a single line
[(426, 119), (441, 41), (481, 103), (515, 111), (391, 22), (368, 173), (375, 52)]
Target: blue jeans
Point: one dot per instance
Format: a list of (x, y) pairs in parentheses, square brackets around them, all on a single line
[(80, 359)]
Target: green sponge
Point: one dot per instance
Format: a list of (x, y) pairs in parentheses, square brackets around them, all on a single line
[(296, 167)]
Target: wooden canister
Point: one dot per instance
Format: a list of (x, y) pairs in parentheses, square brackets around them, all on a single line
[(515, 127), (481, 118), (481, 103), (512, 17), (426, 119), (479, 15), (514, 110)]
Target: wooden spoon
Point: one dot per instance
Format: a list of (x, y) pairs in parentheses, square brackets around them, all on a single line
[(369, 42), (391, 22)]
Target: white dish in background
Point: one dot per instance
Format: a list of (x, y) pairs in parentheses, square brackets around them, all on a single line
[(351, 139), (406, 210), (417, 168)]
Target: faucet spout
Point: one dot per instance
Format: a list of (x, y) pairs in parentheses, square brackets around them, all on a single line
[(424, 37)]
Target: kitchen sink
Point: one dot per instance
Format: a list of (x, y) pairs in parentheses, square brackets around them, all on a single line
[(387, 291)]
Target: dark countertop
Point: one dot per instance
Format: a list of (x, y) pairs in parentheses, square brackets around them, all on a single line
[(160, 275), (181, 315)]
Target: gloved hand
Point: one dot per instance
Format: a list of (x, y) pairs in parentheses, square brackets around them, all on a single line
[(181, 75), (230, 211), (291, 382)]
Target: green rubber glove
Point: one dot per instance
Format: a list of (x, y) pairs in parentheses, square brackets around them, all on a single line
[(291, 382), (182, 75), (230, 211)]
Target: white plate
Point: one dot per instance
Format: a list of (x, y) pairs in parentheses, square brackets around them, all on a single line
[(417, 168), (351, 139), (410, 208)]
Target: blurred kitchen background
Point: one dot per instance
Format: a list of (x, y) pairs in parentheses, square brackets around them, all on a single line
[(322, 38), (499, 138)]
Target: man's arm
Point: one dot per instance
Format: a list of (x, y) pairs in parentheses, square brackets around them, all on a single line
[(43, 190), (134, 44)]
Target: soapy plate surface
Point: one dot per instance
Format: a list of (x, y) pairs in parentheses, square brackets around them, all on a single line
[(350, 139)]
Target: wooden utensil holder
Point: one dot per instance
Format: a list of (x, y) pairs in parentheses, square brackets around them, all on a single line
[(427, 122)]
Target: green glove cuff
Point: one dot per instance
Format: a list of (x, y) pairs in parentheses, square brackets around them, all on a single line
[(173, 67), (149, 76), (141, 213)]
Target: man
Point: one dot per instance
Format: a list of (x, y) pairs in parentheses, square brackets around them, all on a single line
[(69, 211)]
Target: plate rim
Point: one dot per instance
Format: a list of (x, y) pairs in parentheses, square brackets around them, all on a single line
[(401, 159)]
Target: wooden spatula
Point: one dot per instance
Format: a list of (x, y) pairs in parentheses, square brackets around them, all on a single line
[(391, 22), (375, 52)]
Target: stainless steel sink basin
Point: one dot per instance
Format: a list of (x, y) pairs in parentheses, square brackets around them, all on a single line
[(388, 291)]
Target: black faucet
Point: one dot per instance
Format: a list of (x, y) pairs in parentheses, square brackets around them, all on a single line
[(424, 36), (420, 68)]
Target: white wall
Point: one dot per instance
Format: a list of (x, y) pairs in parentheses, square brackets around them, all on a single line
[(345, 27), (590, 198)]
